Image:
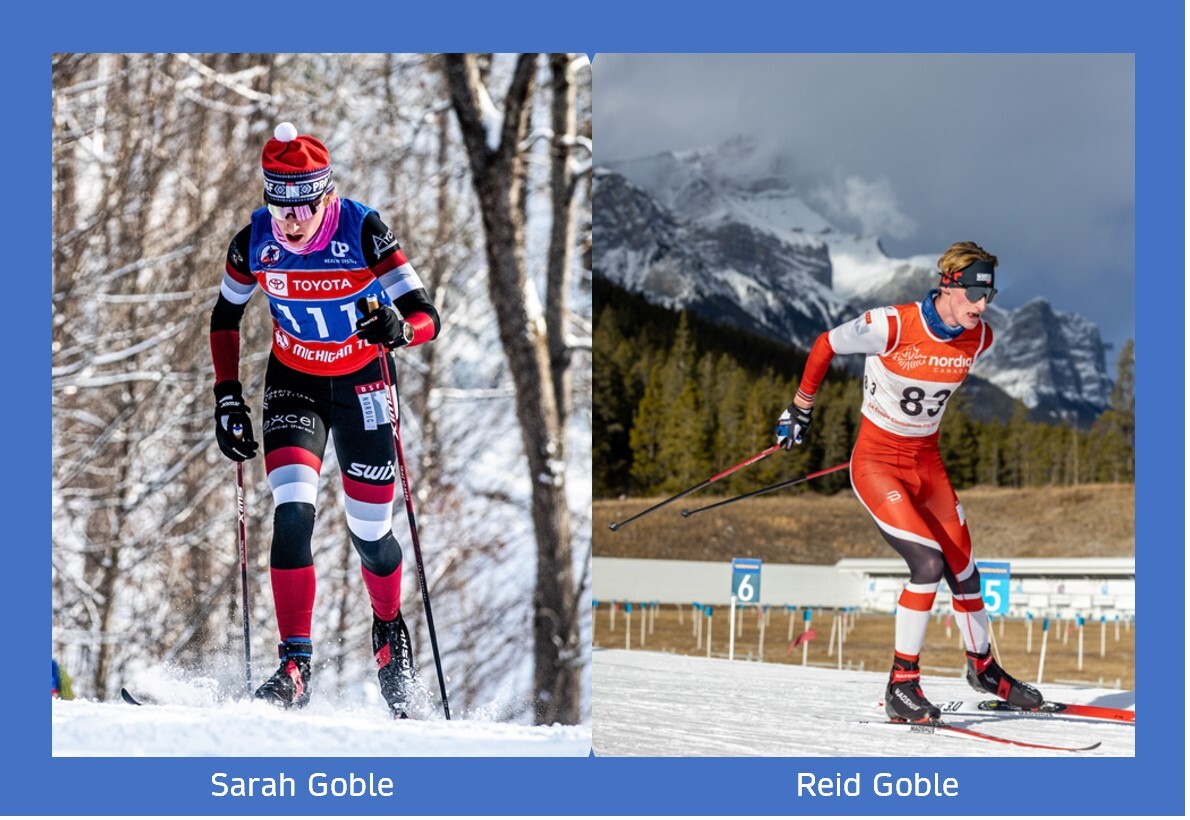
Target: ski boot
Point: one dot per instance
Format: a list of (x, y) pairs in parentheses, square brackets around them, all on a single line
[(985, 675), (903, 699), (394, 663), (290, 684)]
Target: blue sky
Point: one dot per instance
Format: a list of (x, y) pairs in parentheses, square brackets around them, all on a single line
[(1031, 155)]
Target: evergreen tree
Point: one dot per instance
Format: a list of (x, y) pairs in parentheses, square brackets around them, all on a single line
[(612, 410), (766, 398), (726, 388), (681, 357), (959, 443), (1074, 459), (833, 433), (1114, 433), (730, 435), (1018, 458), (682, 453), (989, 466), (648, 425)]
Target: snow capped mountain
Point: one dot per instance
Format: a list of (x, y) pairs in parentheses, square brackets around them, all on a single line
[(724, 234), (726, 185), (1051, 361), (727, 268)]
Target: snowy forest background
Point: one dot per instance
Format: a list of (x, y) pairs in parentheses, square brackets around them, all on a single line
[(481, 165)]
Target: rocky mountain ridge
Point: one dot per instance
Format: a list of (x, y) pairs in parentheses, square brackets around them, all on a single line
[(716, 233)]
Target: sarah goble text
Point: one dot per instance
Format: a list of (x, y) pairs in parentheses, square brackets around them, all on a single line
[(319, 784)]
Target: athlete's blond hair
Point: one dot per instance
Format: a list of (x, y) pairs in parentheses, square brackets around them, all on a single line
[(961, 254)]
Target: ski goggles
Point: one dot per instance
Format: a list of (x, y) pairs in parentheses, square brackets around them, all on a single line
[(976, 279), (977, 292), (300, 213)]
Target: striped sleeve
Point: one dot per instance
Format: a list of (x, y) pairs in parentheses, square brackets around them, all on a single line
[(873, 333), (397, 275), (386, 259), (398, 278), (236, 289), (238, 282)]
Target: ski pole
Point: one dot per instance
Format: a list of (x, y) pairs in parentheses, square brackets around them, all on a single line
[(788, 483), (238, 431), (390, 386), (750, 460)]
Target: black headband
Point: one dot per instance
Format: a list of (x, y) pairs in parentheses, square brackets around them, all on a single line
[(978, 273)]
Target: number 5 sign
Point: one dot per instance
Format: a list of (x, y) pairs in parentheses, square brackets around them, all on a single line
[(993, 585), (745, 580)]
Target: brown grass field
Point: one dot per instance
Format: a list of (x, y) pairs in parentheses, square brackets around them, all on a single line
[(1094, 520), (806, 528), (870, 643)]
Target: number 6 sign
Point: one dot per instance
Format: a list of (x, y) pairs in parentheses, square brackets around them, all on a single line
[(745, 580)]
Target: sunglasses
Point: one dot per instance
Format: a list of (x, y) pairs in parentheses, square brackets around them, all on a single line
[(301, 213), (977, 292)]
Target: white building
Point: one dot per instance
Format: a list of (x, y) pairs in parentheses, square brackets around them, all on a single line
[(1040, 587)]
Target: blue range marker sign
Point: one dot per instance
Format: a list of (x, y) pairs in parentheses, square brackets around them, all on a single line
[(745, 580), (994, 578)]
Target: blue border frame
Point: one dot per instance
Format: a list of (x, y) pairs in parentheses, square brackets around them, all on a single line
[(1150, 783)]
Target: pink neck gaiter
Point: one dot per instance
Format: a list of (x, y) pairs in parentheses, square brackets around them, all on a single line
[(321, 238)]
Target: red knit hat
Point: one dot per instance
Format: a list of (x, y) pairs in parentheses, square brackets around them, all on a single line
[(297, 169)]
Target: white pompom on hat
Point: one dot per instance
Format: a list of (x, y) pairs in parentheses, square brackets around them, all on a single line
[(297, 168), (285, 132)]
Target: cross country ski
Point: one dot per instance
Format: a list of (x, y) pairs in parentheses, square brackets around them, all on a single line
[(937, 727), (1047, 709)]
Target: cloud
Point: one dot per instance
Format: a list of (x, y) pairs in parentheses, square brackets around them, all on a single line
[(869, 205), (1031, 155)]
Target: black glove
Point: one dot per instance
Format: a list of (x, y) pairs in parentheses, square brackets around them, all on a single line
[(382, 326), (233, 425), (792, 426)]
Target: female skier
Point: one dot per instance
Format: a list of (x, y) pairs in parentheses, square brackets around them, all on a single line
[(319, 258), (917, 356)]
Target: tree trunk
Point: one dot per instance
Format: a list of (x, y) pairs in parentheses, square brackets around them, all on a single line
[(562, 185), (497, 176)]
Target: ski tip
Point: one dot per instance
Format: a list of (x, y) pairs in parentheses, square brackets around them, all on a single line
[(613, 526), (128, 698), (685, 513)]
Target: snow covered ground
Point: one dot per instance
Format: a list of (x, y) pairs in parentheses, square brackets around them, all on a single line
[(657, 704), (246, 729)]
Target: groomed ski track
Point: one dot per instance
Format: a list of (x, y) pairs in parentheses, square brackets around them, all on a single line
[(658, 704), (245, 729)]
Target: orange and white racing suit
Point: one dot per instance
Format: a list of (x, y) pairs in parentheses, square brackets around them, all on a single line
[(896, 469)]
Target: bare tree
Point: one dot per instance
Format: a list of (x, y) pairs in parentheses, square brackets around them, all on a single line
[(565, 175), (136, 497), (496, 144)]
